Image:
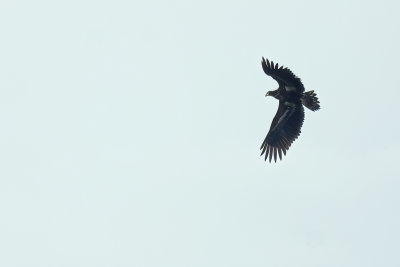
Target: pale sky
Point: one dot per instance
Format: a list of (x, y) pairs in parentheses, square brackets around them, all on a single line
[(130, 134)]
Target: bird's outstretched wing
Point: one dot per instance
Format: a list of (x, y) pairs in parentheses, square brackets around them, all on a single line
[(283, 76), (285, 128)]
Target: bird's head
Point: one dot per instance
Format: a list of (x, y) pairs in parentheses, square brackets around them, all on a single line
[(274, 93)]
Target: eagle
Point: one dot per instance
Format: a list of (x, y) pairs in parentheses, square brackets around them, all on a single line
[(287, 123)]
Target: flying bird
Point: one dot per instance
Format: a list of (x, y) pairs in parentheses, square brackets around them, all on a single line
[(286, 125)]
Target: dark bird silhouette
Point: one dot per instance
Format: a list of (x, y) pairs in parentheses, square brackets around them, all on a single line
[(286, 125)]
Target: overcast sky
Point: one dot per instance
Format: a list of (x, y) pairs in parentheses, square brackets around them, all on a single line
[(130, 134)]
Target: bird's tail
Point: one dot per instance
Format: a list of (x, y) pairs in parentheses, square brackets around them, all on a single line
[(310, 100)]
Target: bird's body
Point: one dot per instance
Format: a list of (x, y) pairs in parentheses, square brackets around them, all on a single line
[(287, 123)]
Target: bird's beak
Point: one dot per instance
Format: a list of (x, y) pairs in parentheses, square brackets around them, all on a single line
[(267, 94)]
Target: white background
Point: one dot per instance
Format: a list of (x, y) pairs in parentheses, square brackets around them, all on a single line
[(129, 134)]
